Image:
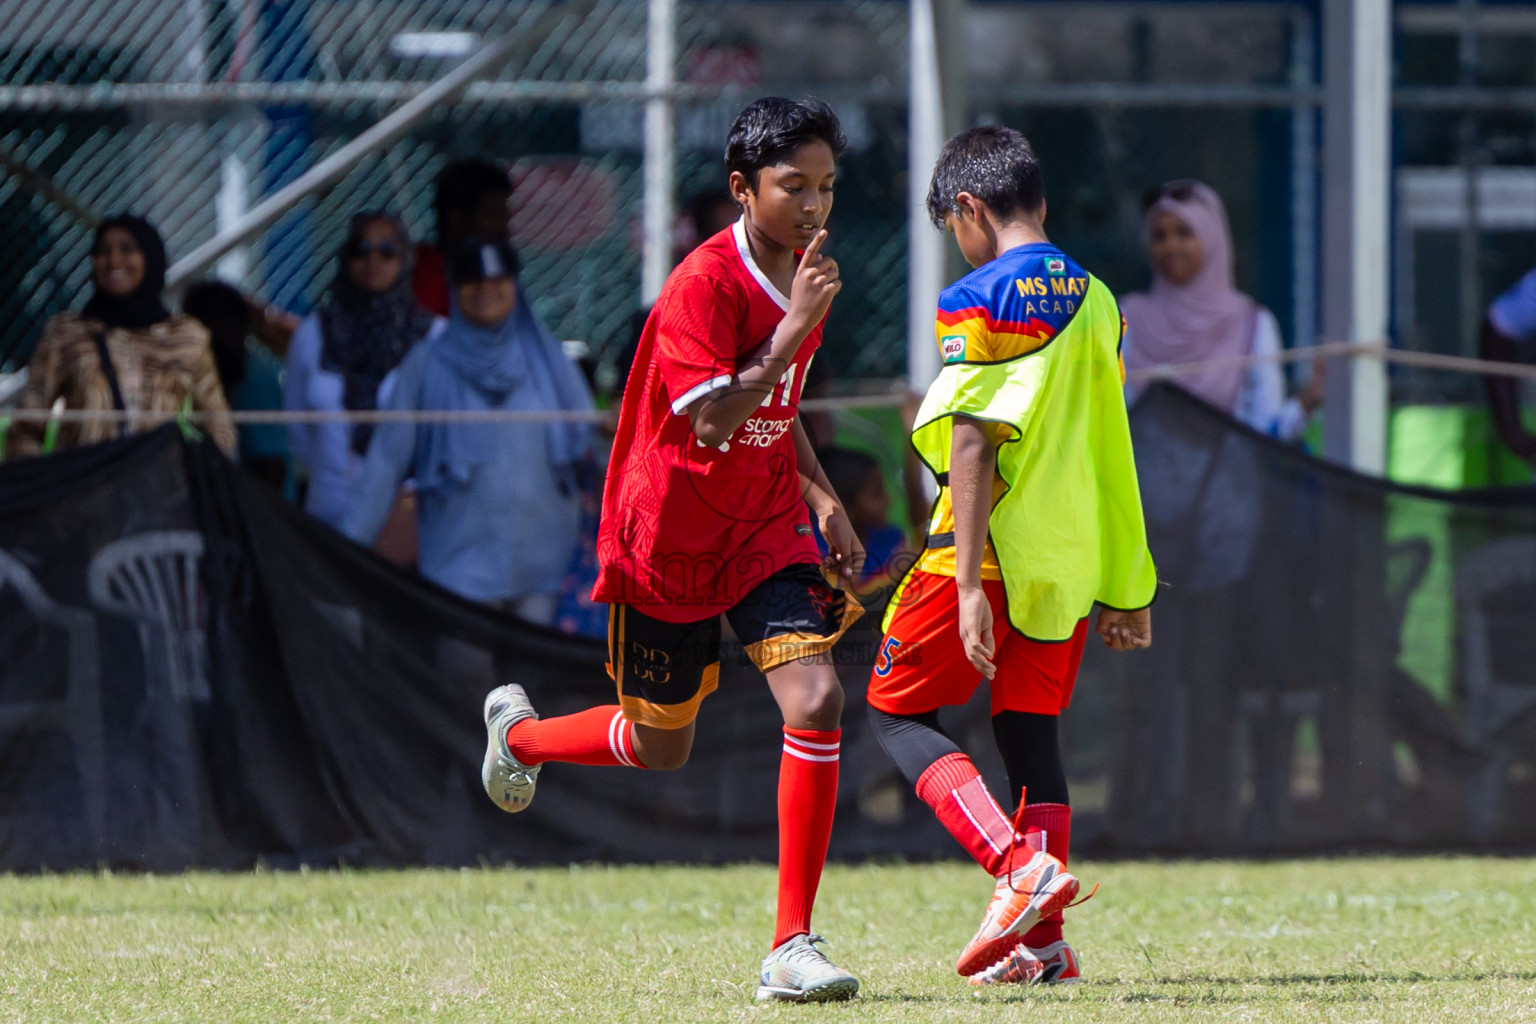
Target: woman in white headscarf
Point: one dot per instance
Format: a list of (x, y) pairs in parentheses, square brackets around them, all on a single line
[(1194, 313)]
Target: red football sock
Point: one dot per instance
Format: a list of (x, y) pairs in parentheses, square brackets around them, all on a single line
[(807, 799), (955, 791), (1047, 827), (600, 735)]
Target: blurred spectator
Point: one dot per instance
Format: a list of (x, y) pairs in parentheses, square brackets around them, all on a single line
[(1194, 313), (819, 424), (1509, 335), (251, 378), (498, 504), (470, 198), (916, 481), (857, 478), (709, 213), (124, 351), (344, 357), (576, 612), (271, 326)]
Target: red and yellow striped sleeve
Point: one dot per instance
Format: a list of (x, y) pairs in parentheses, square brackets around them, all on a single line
[(975, 326)]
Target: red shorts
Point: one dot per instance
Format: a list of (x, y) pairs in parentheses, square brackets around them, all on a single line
[(922, 665)]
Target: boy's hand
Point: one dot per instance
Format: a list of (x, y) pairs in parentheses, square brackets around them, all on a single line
[(976, 630), (845, 555), (816, 282), (1125, 631)]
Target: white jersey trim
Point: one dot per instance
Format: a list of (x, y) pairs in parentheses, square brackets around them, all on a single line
[(739, 230), (698, 391)]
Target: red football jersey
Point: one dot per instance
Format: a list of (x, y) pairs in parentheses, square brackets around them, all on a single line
[(688, 530)]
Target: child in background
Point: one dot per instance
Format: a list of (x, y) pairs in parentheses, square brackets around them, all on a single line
[(470, 198), (856, 476), (252, 379)]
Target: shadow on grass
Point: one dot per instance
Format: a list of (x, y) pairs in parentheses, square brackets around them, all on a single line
[(1108, 993), (1111, 991), (903, 997), (1345, 978)]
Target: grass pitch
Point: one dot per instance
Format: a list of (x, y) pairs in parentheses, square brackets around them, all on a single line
[(1447, 940)]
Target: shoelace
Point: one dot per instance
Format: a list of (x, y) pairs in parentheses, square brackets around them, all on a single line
[(1012, 840), (1018, 821), (521, 776), (1017, 834), (1085, 899), (805, 952)]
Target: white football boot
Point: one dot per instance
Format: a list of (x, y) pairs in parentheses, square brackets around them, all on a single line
[(508, 782), (1059, 964), (1019, 967), (1021, 897), (798, 972)]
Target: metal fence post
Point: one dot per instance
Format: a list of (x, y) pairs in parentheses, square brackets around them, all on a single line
[(334, 167), (1304, 142), (660, 144), (935, 109), (1357, 173)]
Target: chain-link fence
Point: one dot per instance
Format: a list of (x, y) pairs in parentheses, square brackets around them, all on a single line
[(190, 111)]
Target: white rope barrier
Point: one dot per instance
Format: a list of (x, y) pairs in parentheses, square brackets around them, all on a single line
[(881, 400), (1335, 349), (1323, 350), (887, 400)]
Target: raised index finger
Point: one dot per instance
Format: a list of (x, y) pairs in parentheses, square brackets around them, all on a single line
[(809, 256)]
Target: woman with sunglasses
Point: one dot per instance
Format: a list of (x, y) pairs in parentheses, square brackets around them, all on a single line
[(1193, 313), (344, 356)]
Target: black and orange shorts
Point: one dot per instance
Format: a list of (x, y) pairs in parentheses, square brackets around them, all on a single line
[(664, 670)]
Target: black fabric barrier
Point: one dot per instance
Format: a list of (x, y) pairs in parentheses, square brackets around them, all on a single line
[(194, 673)]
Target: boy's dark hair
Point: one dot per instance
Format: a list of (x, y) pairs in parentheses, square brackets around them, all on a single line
[(223, 310), (771, 129), (460, 185), (995, 164)]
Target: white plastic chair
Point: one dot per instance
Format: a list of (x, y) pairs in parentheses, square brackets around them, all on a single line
[(153, 579)]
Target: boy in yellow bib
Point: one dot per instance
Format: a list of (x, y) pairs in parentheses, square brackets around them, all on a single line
[(1038, 519)]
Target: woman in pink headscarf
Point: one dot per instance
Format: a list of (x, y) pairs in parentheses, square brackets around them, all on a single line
[(1194, 313)]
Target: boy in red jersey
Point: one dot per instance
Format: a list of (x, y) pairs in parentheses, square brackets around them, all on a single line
[(1038, 518), (704, 514)]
